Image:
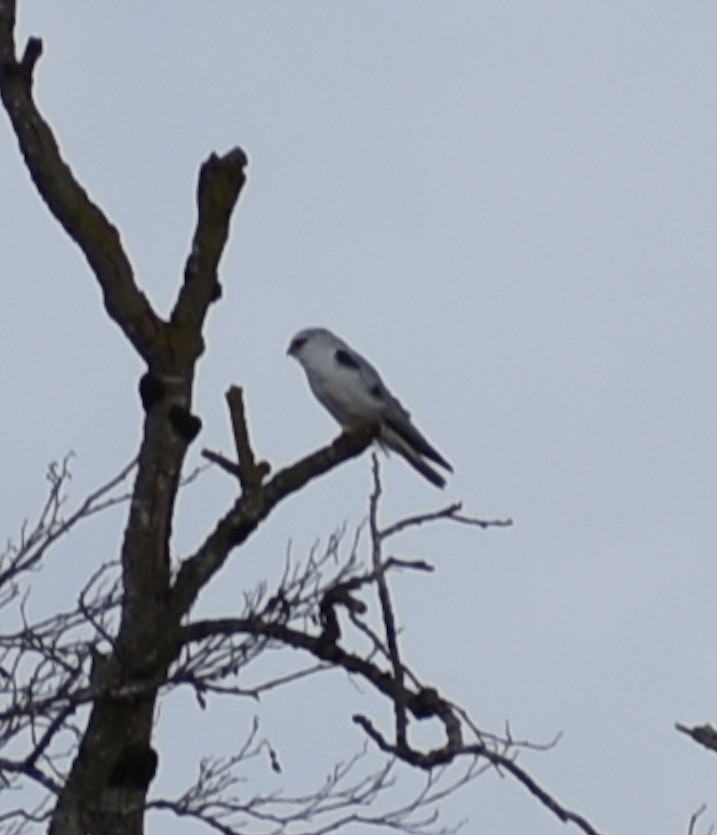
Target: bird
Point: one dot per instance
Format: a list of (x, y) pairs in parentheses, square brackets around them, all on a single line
[(352, 391)]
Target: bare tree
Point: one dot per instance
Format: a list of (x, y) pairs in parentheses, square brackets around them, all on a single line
[(79, 689)]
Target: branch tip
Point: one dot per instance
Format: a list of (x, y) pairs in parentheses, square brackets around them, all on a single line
[(33, 51)]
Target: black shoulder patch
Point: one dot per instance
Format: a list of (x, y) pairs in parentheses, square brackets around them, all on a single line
[(344, 358)]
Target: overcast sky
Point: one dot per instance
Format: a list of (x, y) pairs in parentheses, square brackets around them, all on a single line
[(510, 208)]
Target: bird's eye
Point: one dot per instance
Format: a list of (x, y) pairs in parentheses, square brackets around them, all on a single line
[(298, 344)]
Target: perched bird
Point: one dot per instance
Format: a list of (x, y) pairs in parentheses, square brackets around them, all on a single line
[(355, 395)]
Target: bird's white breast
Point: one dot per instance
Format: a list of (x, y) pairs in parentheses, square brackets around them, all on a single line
[(340, 389)]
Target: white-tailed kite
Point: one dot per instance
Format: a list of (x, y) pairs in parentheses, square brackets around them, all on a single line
[(355, 395)]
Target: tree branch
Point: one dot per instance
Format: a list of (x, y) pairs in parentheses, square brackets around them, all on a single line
[(451, 513), (81, 218), (249, 473), (705, 735), (252, 508), (52, 525), (389, 623), (497, 759), (221, 179), (322, 649)]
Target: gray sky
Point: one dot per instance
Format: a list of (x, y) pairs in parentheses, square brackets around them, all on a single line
[(509, 207)]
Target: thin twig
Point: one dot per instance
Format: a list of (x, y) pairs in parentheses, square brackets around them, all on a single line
[(450, 513), (399, 699)]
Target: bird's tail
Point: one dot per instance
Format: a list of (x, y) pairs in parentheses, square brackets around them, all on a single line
[(425, 470), (389, 440), (410, 436)]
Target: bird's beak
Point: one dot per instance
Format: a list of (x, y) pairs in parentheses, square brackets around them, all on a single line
[(295, 346)]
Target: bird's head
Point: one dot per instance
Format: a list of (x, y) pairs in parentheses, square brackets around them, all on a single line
[(309, 339)]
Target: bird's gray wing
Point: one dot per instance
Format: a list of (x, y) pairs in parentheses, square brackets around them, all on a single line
[(393, 413), (367, 379), (365, 372)]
